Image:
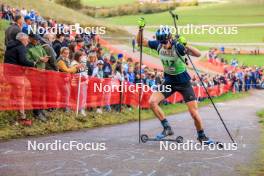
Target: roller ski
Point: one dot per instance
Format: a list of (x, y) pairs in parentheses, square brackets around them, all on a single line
[(163, 136)]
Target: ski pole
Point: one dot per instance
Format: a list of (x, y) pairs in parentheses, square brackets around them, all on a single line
[(175, 17), (210, 98), (141, 23)]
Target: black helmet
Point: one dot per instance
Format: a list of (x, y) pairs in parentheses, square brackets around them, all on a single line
[(163, 34)]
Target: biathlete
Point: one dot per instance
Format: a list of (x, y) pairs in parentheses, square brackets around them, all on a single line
[(172, 55)]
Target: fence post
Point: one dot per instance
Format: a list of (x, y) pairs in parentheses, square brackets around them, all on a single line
[(78, 95), (121, 96)]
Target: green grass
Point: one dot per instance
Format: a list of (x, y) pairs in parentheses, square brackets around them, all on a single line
[(3, 25), (149, 51), (202, 48), (248, 60), (106, 3), (256, 167), (261, 115), (60, 122), (226, 13), (62, 14), (244, 35)]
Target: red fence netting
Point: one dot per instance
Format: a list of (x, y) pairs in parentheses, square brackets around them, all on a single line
[(30, 88)]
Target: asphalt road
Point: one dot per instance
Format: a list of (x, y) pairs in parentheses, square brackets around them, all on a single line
[(125, 157)]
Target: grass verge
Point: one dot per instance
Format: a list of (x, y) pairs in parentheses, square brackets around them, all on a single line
[(3, 25), (49, 9), (227, 13), (249, 60), (256, 168), (243, 35), (60, 122), (103, 3)]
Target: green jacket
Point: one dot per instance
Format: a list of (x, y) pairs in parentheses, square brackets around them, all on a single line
[(34, 52)]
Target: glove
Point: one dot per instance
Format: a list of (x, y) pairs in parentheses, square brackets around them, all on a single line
[(180, 49), (141, 22), (182, 40)]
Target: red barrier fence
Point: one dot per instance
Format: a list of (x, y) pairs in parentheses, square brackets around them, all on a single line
[(30, 88)]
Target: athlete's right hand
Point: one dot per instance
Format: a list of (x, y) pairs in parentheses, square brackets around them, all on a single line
[(141, 22)]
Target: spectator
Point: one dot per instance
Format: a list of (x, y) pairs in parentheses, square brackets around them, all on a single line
[(99, 73), (23, 12), (151, 81), (247, 80), (120, 57), (112, 58), (107, 67), (234, 62), (131, 75), (79, 60), (44, 28), (118, 73), (27, 25), (16, 51), (57, 44), (38, 18), (79, 44), (73, 49), (16, 54), (100, 53), (91, 63), (133, 44), (63, 62), (47, 45), (37, 54), (127, 65), (98, 70), (13, 29)]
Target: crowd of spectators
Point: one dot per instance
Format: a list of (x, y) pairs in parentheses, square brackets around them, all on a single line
[(242, 77), (76, 54)]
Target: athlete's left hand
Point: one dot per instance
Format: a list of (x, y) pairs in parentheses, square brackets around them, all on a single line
[(182, 40)]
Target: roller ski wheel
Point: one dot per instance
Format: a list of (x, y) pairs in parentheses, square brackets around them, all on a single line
[(144, 138)]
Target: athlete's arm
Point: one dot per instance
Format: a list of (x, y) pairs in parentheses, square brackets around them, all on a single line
[(193, 51), (144, 41)]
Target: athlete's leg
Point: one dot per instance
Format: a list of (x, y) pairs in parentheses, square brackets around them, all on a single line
[(193, 109), (190, 99), (154, 101)]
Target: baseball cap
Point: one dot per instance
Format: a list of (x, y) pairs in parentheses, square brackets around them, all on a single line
[(34, 36), (27, 17), (119, 56)]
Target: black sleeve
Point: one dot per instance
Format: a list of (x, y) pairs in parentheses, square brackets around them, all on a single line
[(21, 53), (153, 44), (52, 60), (57, 48)]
